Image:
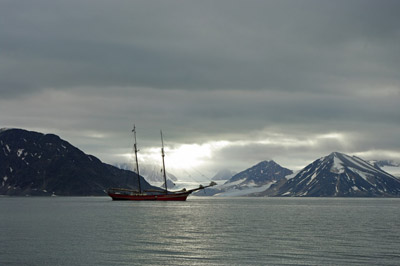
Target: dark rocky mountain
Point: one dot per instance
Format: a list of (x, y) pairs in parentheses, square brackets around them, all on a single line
[(338, 175), (261, 174), (37, 164), (254, 179)]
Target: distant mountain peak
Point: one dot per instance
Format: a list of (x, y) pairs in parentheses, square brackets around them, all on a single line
[(264, 171), (342, 175), (254, 179), (272, 162)]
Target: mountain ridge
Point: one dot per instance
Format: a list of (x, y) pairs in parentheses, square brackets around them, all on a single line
[(254, 179), (37, 164), (338, 175)]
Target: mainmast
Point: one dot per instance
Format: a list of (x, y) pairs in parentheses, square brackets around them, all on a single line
[(136, 159), (163, 155)]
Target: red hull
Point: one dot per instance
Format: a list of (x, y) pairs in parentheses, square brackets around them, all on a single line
[(163, 197), (129, 194)]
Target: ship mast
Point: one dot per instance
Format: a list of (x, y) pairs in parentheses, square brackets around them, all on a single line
[(136, 158), (163, 155)]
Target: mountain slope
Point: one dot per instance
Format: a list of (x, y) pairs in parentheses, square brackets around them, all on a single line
[(33, 163), (339, 175), (261, 173), (389, 166), (254, 179)]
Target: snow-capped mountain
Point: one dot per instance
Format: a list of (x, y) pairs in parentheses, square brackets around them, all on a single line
[(252, 180), (383, 163), (260, 174), (33, 163), (152, 174), (390, 166), (339, 175)]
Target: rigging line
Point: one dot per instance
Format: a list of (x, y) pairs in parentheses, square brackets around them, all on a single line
[(201, 174), (193, 176), (190, 175)]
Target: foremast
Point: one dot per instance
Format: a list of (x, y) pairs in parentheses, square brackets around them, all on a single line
[(136, 158), (163, 162)]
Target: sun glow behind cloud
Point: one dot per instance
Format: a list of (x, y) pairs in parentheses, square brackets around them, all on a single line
[(184, 156), (291, 151), (213, 154)]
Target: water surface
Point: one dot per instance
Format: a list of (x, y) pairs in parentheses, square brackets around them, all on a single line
[(200, 231)]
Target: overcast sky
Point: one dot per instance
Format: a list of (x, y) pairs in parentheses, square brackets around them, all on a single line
[(230, 83)]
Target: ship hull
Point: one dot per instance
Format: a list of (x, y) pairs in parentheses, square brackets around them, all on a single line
[(160, 197)]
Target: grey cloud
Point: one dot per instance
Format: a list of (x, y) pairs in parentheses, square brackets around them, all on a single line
[(192, 45), (204, 70)]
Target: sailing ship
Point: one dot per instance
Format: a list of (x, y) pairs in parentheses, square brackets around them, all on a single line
[(154, 194)]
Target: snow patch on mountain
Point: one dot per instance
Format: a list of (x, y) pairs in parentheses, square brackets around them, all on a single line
[(312, 178), (292, 175), (337, 166), (250, 181), (235, 192), (339, 175), (390, 166), (19, 152), (393, 170)]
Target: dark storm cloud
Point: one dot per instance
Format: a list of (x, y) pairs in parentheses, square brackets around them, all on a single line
[(204, 71), (291, 45)]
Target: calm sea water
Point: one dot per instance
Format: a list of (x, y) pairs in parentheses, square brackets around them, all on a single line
[(200, 231)]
